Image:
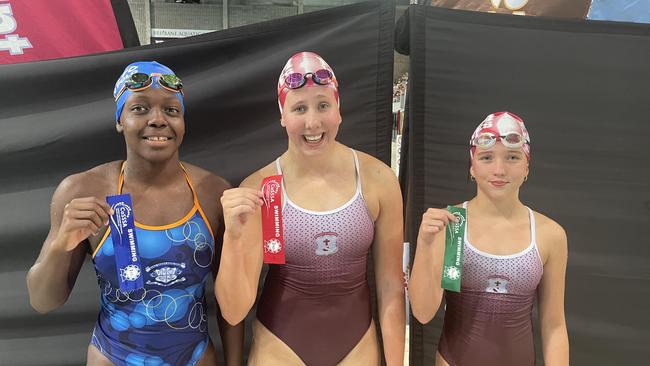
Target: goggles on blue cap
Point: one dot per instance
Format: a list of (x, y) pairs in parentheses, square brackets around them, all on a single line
[(141, 81)]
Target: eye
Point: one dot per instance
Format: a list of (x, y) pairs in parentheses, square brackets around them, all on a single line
[(485, 157), (300, 108), (514, 157), (172, 110), (323, 105), (138, 108)]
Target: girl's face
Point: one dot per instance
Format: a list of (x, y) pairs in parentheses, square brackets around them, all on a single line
[(499, 171), (152, 124), (311, 117)]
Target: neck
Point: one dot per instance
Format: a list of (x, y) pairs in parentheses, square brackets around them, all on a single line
[(142, 172), (315, 165), (506, 207)]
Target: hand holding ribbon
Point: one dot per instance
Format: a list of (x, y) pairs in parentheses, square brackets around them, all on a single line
[(82, 217)]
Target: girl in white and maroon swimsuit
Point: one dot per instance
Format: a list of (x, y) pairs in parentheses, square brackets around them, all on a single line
[(512, 255), (339, 204)]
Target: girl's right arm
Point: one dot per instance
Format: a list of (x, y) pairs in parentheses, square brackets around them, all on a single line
[(242, 253), (425, 292), (73, 220)]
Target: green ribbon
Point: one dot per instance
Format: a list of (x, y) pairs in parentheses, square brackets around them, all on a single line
[(452, 269)]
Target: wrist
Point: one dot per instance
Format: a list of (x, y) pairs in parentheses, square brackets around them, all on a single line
[(231, 235), (60, 245), (427, 242)]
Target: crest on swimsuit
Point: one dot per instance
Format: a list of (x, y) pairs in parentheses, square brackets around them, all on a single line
[(166, 273), (497, 285), (326, 243)]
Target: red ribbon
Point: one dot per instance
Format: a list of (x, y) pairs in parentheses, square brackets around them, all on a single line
[(272, 229)]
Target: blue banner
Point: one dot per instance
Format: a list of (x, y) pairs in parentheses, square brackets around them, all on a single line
[(125, 244), (636, 11)]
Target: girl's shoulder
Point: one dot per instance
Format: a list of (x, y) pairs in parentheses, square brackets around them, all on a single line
[(374, 170), (255, 180), (550, 236), (547, 227), (99, 181)]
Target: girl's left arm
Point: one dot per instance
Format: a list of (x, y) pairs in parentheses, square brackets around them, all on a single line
[(210, 189), (387, 253), (555, 340)]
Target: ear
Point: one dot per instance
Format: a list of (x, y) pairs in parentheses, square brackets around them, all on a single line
[(282, 122), (118, 127), (471, 169)]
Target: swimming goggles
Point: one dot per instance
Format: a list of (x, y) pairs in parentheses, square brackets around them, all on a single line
[(297, 80), (511, 140), (140, 81)]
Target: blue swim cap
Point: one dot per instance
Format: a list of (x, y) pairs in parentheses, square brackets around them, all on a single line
[(146, 67)]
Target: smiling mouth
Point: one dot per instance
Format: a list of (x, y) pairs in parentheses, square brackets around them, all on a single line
[(157, 138), (312, 139), (499, 183)]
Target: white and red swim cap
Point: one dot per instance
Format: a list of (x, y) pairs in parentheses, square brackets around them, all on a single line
[(501, 126), (298, 68)]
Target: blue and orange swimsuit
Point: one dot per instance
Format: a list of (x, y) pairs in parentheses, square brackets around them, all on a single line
[(166, 322)]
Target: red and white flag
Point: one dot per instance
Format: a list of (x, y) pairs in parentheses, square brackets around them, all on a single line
[(32, 30)]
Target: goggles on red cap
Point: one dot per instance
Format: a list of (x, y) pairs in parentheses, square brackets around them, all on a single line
[(487, 139), (297, 80), (305, 69), (501, 126)]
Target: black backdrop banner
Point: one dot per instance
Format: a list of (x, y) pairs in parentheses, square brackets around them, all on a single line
[(582, 87), (56, 119), (125, 23)]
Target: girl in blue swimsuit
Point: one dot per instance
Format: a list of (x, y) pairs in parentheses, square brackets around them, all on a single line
[(178, 225)]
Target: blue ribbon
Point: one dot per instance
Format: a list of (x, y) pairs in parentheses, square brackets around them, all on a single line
[(125, 244)]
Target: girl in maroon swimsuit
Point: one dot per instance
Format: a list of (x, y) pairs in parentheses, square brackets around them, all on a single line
[(511, 255), (338, 204)]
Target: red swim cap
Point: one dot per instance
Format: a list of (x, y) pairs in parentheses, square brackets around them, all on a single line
[(500, 125), (304, 63)]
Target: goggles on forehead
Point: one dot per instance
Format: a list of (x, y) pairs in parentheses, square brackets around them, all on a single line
[(511, 140), (140, 81), (297, 80)]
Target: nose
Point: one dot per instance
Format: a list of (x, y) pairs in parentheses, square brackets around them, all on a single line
[(157, 118), (313, 121), (499, 167)]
